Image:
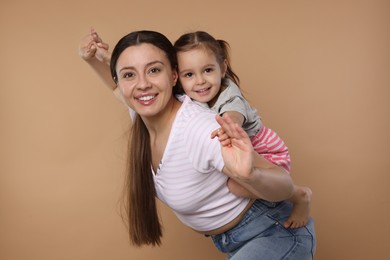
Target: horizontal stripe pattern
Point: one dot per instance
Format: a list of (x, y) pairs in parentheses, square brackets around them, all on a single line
[(271, 146)]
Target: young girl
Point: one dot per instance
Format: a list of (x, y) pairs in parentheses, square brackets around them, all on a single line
[(206, 77)]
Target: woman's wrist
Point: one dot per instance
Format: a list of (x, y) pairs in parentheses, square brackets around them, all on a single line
[(260, 162), (107, 59)]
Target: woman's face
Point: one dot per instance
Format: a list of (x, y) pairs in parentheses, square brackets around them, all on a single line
[(146, 79)]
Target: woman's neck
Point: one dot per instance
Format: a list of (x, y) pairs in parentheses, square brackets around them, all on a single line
[(163, 121), (159, 128)]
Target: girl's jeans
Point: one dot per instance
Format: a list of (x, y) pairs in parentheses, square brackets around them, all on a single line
[(261, 235)]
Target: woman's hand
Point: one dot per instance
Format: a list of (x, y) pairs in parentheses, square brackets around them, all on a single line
[(93, 46), (264, 182), (95, 52), (237, 149)]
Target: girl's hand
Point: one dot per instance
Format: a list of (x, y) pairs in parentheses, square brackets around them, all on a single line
[(223, 138)]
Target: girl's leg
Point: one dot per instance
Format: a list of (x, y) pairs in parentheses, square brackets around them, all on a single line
[(300, 214)]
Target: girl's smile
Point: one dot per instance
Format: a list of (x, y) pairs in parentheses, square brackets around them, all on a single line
[(200, 74)]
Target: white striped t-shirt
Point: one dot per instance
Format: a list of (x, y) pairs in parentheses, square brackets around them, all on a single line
[(189, 179)]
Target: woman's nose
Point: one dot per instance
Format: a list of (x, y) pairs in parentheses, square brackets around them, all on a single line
[(128, 88), (143, 82)]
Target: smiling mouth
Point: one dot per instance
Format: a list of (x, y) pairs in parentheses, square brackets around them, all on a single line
[(203, 90), (146, 98)]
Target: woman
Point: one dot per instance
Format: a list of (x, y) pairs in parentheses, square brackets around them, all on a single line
[(172, 156)]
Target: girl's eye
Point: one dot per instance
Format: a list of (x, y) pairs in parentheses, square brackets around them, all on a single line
[(188, 75), (208, 70)]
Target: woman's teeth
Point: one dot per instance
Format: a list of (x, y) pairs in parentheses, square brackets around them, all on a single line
[(146, 98)]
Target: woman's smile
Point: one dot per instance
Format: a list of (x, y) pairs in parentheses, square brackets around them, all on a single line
[(146, 99)]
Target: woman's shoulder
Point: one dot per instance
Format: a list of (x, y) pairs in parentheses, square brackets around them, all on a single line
[(194, 116), (195, 109)]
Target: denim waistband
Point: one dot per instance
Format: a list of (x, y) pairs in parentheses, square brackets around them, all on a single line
[(258, 204)]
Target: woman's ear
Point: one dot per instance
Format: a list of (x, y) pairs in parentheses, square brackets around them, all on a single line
[(175, 76)]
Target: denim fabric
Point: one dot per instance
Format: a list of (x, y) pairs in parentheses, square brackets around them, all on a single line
[(261, 235)]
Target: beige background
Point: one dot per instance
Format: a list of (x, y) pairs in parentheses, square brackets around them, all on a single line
[(318, 71)]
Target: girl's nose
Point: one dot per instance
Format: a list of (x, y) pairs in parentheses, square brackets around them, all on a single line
[(200, 80)]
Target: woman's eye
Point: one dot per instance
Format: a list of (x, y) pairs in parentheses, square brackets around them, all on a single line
[(128, 75), (154, 70)]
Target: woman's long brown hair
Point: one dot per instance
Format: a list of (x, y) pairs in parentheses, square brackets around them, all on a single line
[(141, 215)]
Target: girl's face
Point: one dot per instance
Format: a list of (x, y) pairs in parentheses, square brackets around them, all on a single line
[(145, 78), (200, 75)]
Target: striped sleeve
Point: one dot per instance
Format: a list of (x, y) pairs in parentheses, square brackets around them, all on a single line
[(204, 152)]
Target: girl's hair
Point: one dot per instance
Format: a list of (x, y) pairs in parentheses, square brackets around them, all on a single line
[(219, 48), (141, 214)]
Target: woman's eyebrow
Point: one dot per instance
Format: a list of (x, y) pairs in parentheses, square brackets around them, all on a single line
[(147, 65)]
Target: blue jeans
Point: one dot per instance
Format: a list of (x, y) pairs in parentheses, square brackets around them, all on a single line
[(261, 235)]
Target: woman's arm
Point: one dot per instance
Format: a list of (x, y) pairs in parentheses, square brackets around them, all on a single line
[(95, 52), (272, 184)]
